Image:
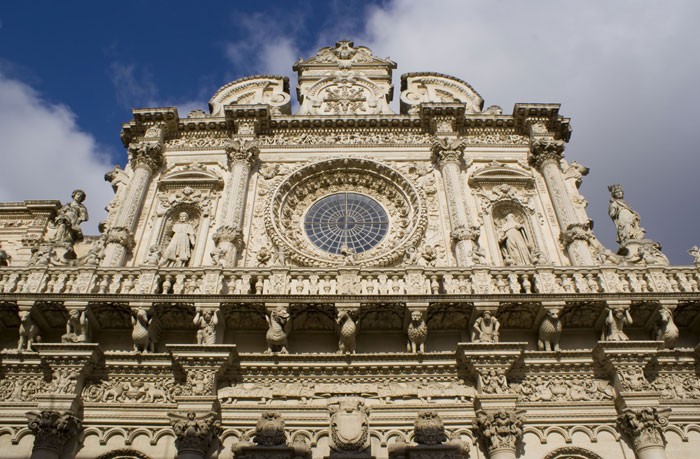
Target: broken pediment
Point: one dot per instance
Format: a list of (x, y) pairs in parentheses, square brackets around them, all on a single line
[(191, 174), (417, 88), (501, 173), (259, 89)]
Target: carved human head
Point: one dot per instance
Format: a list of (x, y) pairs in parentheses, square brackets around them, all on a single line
[(619, 313), (74, 313), (487, 315), (78, 195), (616, 191), (183, 217)]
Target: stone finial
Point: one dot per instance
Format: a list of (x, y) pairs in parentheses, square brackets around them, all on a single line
[(429, 429), (499, 430), (269, 431), (195, 433), (644, 427), (52, 429)]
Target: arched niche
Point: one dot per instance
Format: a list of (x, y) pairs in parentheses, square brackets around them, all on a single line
[(515, 234), (572, 452), (174, 226)]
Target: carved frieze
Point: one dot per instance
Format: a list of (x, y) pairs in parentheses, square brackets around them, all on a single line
[(300, 138)]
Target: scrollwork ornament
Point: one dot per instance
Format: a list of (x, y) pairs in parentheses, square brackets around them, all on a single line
[(52, 429), (644, 427)]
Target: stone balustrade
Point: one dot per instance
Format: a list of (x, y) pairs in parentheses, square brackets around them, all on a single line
[(344, 281)]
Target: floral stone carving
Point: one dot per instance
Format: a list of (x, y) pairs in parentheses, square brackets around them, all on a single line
[(644, 427), (269, 431), (195, 433), (429, 429)]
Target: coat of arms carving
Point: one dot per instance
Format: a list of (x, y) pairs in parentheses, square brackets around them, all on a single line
[(349, 425)]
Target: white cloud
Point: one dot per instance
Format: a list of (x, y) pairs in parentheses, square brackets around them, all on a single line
[(134, 87), (46, 155), (624, 71)]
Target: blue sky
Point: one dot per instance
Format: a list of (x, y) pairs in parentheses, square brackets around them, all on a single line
[(626, 72)]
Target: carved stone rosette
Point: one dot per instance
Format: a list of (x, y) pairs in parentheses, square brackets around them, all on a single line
[(195, 434), (499, 432), (52, 430), (644, 427), (401, 199)]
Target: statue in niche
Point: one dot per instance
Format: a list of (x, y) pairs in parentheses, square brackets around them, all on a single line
[(486, 329), (626, 220), (514, 242), (179, 250), (206, 322), (76, 327), (66, 224), (614, 324), (153, 257), (4, 258)]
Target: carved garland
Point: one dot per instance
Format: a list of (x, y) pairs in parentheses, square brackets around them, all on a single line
[(404, 203)]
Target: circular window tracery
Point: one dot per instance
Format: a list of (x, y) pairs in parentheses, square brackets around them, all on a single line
[(346, 221)]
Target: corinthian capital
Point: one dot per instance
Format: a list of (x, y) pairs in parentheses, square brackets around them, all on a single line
[(146, 153), (544, 149), (576, 232), (52, 429), (242, 151), (644, 427), (448, 149), (499, 430), (195, 433)]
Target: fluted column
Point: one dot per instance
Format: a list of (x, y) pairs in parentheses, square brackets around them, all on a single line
[(52, 430), (449, 153), (242, 154), (146, 157), (499, 432), (546, 155), (644, 428)]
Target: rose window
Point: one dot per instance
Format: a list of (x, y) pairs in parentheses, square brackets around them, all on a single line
[(346, 221)]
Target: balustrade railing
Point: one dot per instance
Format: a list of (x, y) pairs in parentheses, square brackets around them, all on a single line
[(350, 281)]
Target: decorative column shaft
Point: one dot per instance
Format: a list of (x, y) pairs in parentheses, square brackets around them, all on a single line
[(242, 154), (546, 157), (448, 156), (52, 430), (644, 428), (146, 157)]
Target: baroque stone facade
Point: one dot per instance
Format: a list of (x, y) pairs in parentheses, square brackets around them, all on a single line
[(344, 282)]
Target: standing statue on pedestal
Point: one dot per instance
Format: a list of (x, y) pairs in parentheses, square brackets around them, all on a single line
[(514, 243), (179, 250), (625, 218), (62, 233)]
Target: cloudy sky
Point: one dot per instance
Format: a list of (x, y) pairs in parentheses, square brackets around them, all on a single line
[(625, 72)]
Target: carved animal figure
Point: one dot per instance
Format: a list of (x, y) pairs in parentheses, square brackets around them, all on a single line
[(347, 332), (550, 332), (141, 334), (151, 393), (417, 333), (665, 330), (115, 392), (28, 332), (276, 335)]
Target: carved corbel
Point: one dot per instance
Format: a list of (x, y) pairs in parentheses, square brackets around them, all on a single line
[(242, 151), (644, 428), (448, 150), (500, 432), (195, 433)]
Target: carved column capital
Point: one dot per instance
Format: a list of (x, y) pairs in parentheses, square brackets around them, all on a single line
[(465, 233), (576, 232), (228, 234), (242, 151), (448, 150), (195, 434), (644, 427), (120, 235), (53, 429), (499, 430), (545, 149), (147, 154)]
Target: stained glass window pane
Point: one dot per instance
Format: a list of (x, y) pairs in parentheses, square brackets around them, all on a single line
[(350, 220)]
